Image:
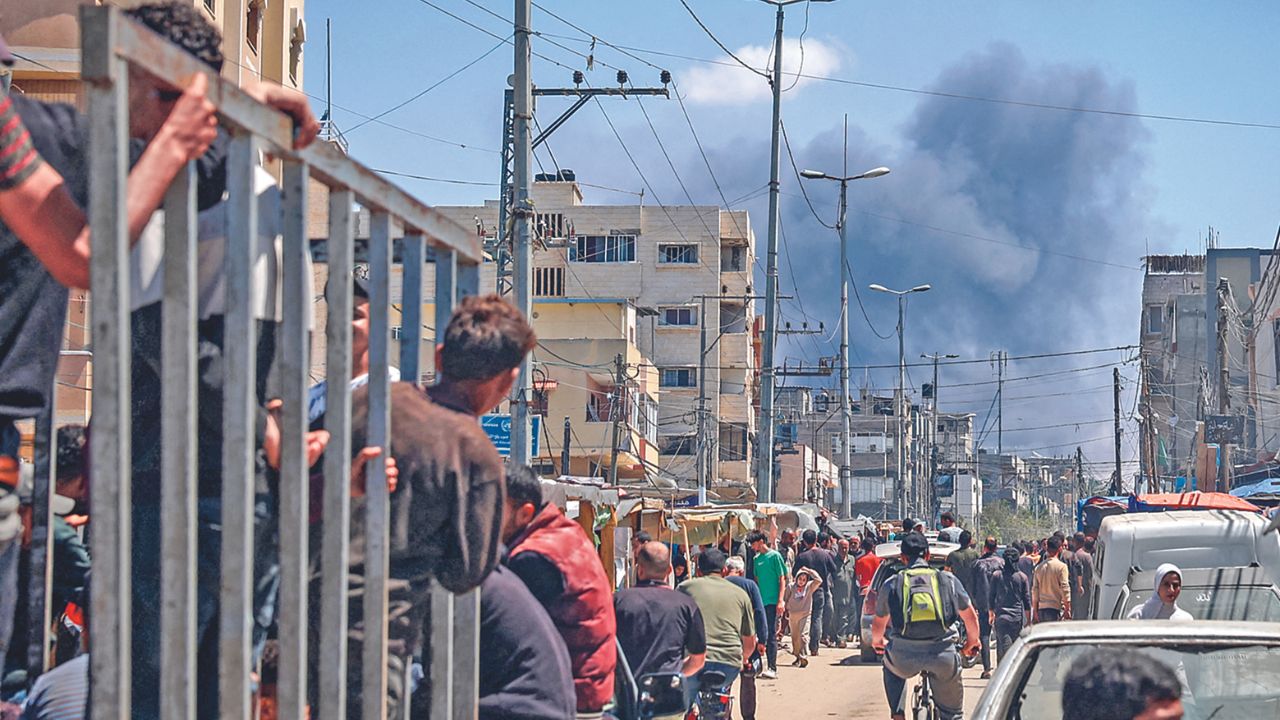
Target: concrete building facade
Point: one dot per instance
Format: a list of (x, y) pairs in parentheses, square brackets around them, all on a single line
[(663, 260)]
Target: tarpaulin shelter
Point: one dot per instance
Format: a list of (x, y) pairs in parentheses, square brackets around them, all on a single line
[(1156, 502)]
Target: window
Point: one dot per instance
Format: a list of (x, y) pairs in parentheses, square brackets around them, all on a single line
[(678, 317), (209, 5), (836, 447), (733, 258), (1155, 319), (253, 24), (552, 226), (397, 333), (679, 377), (678, 254), (603, 248), (548, 282), (822, 403), (296, 39), (733, 442), (678, 445)]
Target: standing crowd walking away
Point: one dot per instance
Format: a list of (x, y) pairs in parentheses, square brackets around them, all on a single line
[(771, 575), (1009, 601)]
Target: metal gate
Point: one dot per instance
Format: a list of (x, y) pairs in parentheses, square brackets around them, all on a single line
[(110, 44)]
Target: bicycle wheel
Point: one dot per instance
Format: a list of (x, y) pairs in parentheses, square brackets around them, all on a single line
[(922, 707)]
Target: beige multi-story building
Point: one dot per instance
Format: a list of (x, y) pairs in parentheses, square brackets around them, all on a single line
[(580, 341), (262, 39), (663, 260)]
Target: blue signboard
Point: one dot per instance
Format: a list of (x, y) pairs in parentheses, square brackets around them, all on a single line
[(498, 428)]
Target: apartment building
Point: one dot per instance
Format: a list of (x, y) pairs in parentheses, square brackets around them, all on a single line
[(687, 270), (811, 416), (261, 39), (1174, 340)]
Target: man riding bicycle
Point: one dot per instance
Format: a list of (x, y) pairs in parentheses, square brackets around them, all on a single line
[(919, 606)]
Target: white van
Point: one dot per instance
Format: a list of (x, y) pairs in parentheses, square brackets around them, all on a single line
[(1130, 547)]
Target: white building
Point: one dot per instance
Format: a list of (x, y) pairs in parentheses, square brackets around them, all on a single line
[(662, 259)]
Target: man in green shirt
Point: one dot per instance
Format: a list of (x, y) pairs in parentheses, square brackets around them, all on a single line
[(726, 616), (771, 576)]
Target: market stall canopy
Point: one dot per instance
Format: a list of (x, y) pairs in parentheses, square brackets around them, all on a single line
[(1190, 501)]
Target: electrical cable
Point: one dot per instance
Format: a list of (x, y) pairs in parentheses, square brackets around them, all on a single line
[(431, 87), (965, 96), (799, 180), (721, 45)]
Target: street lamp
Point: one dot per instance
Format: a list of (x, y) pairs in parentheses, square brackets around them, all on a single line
[(902, 382), (846, 482)]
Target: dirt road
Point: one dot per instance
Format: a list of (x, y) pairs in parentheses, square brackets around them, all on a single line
[(827, 689)]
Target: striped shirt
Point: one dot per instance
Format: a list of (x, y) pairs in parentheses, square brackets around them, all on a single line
[(61, 694), (18, 157)]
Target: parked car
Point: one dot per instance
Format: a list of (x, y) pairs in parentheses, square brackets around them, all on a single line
[(1130, 547), (890, 563), (1229, 669)]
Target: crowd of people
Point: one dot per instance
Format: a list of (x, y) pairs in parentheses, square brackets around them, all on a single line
[(555, 639)]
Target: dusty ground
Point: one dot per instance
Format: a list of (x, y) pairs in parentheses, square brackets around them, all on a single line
[(827, 689)]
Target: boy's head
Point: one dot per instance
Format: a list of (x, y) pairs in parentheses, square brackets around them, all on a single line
[(184, 25), (483, 346)]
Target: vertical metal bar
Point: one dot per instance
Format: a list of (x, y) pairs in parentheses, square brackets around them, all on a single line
[(446, 290), (466, 607), (295, 365), (468, 279), (110, 604), (441, 633), (441, 649), (377, 497), (413, 248), (238, 445), (334, 543), (178, 519), (40, 579), (466, 655)]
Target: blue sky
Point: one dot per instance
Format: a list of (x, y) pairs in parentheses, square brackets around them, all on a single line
[(1062, 183)]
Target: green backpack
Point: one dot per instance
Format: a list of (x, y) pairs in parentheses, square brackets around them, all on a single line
[(924, 616)]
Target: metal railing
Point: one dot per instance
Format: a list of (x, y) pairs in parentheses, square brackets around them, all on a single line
[(110, 45)]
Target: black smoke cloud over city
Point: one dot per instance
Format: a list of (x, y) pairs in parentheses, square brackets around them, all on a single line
[(1042, 188)]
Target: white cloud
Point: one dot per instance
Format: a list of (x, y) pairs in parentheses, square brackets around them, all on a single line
[(733, 84)]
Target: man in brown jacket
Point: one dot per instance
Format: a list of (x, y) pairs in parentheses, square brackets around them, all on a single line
[(1051, 586), (447, 510)]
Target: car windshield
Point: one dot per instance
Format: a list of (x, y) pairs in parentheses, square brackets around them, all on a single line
[(1222, 682), (1251, 602)]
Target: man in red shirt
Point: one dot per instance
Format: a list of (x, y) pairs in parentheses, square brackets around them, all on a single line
[(558, 562), (865, 569)]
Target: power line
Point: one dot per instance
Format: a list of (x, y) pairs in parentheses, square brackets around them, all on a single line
[(431, 87), (436, 179), (968, 97), (1037, 356), (799, 180), (721, 45)]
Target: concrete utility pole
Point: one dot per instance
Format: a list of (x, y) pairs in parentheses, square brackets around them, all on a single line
[(564, 450), (707, 466), (522, 212), (1224, 382), (764, 464), (1150, 453), (1117, 484), (932, 491), (701, 444), (1081, 489), (616, 409)]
